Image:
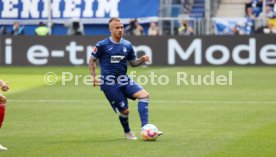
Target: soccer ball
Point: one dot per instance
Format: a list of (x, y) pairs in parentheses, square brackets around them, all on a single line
[(149, 132)]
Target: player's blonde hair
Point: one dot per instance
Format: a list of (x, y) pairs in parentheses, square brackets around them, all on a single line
[(114, 19)]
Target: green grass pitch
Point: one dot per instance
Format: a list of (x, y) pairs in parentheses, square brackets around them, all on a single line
[(197, 121)]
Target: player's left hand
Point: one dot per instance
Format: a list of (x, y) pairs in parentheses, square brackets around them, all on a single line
[(5, 87), (146, 58)]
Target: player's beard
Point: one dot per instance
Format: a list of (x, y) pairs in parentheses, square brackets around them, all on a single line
[(120, 34)]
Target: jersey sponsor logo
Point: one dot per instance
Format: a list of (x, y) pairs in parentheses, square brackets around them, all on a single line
[(110, 48), (116, 59)]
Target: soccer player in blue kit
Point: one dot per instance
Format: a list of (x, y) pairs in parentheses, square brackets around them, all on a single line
[(113, 54)]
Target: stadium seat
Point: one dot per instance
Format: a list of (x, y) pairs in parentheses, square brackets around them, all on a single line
[(198, 9), (176, 10)]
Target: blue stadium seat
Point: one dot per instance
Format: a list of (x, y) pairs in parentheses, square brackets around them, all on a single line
[(198, 5), (198, 9), (176, 10), (197, 15)]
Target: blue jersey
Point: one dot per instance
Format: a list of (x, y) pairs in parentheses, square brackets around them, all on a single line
[(113, 57)]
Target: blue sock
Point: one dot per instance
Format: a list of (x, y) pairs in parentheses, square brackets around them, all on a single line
[(143, 111), (124, 122)]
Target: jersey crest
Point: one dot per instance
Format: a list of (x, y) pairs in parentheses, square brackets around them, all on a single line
[(124, 49)]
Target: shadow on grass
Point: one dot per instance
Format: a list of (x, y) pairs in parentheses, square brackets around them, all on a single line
[(104, 140), (87, 140)]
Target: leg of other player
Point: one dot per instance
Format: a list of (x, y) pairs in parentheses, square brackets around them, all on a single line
[(2, 115), (2, 108)]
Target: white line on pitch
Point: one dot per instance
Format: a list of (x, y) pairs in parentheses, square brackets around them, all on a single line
[(154, 101)]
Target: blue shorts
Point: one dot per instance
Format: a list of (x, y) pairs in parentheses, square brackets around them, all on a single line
[(117, 95)]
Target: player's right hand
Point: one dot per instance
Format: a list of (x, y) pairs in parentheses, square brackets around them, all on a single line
[(96, 82)]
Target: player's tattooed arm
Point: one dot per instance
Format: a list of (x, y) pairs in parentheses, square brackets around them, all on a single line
[(92, 67), (139, 61)]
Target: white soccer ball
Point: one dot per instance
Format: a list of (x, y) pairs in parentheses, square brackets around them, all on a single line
[(149, 132)]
